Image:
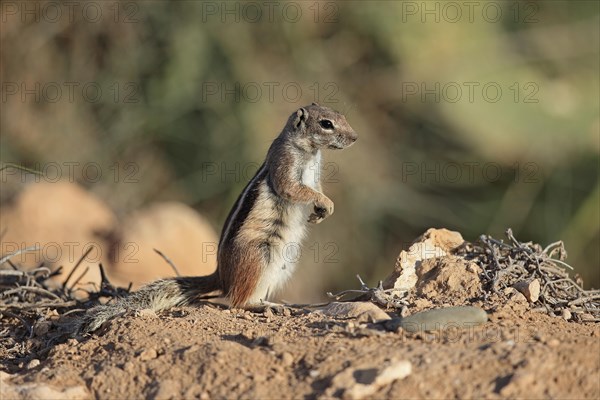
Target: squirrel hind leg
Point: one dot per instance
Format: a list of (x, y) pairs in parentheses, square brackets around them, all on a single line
[(242, 286)]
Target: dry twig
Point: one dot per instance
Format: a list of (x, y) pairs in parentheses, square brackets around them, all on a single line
[(505, 264), (168, 260)]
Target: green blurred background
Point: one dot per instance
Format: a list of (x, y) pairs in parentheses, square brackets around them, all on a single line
[(474, 116)]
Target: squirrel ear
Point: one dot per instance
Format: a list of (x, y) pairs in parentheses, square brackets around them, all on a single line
[(301, 116), (314, 104)]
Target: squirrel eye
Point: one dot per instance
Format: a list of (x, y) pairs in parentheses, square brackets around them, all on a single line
[(326, 124)]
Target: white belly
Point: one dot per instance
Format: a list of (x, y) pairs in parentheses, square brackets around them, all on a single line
[(285, 255)]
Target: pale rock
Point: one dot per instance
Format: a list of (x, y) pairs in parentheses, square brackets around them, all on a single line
[(147, 313), (432, 244), (148, 354), (529, 289), (553, 342), (364, 381), (359, 310)]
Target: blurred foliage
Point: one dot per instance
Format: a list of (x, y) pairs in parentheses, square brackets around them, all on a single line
[(193, 90)]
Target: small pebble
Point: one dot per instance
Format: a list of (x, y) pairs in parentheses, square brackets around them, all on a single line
[(147, 313), (314, 373), (566, 314), (129, 367), (530, 289), (363, 311), (33, 363), (268, 313), (148, 354), (287, 358), (553, 342)]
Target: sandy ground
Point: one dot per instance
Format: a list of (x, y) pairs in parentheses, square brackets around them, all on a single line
[(353, 350), (211, 352)]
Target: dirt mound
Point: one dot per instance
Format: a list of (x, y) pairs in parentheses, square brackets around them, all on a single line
[(448, 278)]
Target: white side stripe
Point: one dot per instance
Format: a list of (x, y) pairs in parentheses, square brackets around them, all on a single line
[(242, 199)]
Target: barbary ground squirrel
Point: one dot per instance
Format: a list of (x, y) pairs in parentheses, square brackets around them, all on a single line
[(271, 212)]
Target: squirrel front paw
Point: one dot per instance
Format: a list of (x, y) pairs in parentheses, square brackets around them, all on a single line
[(323, 208)]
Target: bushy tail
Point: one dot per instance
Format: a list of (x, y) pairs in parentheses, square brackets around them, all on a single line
[(158, 295)]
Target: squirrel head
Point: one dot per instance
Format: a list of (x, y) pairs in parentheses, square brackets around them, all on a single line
[(321, 127)]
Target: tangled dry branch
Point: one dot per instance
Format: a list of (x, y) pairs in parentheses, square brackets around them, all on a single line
[(506, 263)]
